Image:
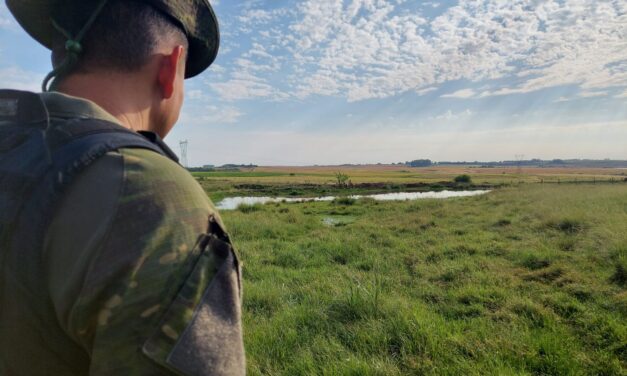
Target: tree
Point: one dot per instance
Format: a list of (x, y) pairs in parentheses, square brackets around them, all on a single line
[(420, 163)]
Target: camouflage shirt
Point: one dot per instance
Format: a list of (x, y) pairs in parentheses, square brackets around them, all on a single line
[(141, 276)]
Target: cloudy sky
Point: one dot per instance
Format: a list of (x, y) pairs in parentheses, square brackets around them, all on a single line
[(366, 81)]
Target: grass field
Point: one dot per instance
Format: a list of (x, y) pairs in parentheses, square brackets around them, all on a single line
[(401, 174), (528, 279), (315, 181)]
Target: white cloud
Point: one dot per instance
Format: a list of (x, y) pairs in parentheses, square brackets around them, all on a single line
[(432, 4), (591, 94), (19, 79), (562, 99), (426, 90), (210, 115), (245, 80), (195, 94), (6, 19), (450, 115), (621, 95), (259, 16), (246, 87), (463, 93), (364, 49)]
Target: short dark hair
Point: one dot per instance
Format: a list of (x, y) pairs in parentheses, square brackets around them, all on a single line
[(123, 37)]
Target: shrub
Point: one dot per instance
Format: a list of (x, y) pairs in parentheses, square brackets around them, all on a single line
[(463, 179), (342, 179), (344, 201)]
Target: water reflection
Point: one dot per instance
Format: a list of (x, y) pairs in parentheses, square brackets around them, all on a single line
[(231, 203)]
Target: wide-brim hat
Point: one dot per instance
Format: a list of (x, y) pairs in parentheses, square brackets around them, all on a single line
[(195, 18)]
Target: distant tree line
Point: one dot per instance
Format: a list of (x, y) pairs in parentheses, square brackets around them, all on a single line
[(592, 163), (419, 163), (225, 167)]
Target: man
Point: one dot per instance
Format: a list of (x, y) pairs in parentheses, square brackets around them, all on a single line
[(113, 261)]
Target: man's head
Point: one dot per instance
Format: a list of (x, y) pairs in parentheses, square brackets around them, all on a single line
[(141, 50), (123, 37), (134, 42)]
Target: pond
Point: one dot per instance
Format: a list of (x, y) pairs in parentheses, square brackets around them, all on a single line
[(231, 203)]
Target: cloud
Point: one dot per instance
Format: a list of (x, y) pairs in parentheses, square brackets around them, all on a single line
[(6, 19), (245, 80), (464, 93), (426, 90), (20, 79), (260, 16), (591, 94), (364, 49), (246, 86), (563, 99), (450, 115), (195, 95), (432, 4), (210, 115)]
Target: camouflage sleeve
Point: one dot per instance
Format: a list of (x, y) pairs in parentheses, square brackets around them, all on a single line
[(154, 288)]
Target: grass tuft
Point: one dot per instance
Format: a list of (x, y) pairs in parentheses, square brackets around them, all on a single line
[(568, 226), (535, 262), (503, 223), (246, 208), (620, 274)]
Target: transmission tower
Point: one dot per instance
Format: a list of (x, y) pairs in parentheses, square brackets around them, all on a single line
[(519, 159), (183, 145)]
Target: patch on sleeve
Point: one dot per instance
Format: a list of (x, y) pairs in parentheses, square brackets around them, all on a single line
[(200, 333)]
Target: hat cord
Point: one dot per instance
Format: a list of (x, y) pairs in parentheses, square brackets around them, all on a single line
[(73, 48)]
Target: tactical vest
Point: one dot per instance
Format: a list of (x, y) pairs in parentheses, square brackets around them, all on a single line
[(38, 161)]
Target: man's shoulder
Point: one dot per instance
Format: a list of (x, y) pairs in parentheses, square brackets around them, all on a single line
[(147, 171)]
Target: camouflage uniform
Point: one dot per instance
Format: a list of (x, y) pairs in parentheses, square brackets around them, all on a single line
[(141, 275)]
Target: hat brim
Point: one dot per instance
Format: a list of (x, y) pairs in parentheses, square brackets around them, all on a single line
[(34, 16)]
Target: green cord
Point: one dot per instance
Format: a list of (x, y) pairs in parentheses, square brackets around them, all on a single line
[(73, 49)]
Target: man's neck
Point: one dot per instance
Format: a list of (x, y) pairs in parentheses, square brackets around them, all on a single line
[(118, 94)]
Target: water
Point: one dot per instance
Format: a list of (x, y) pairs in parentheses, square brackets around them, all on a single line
[(231, 203)]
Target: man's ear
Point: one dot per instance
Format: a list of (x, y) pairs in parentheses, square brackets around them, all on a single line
[(168, 71)]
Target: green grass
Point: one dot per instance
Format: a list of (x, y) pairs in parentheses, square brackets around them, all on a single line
[(522, 281), (237, 174)]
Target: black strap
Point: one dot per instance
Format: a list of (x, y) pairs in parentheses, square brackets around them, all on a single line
[(23, 107), (155, 139)]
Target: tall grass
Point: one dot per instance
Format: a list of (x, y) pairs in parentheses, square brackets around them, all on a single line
[(527, 280)]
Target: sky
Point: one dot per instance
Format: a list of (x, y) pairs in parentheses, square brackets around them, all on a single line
[(372, 81)]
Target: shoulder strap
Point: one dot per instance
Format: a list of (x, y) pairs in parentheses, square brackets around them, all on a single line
[(22, 107)]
